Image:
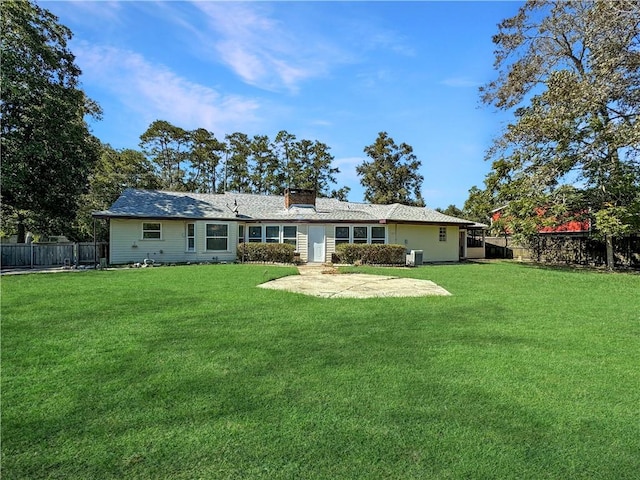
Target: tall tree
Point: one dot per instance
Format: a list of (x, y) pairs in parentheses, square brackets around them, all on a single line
[(392, 174), (285, 149), (115, 171), (237, 176), (301, 172), (166, 145), (322, 172), (204, 153), (47, 150), (266, 174), (570, 72)]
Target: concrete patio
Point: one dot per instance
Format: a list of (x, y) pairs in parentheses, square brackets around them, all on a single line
[(321, 281)]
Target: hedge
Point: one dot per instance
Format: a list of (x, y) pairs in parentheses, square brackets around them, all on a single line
[(374, 254), (266, 252)]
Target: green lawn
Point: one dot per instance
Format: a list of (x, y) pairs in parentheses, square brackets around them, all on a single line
[(193, 372)]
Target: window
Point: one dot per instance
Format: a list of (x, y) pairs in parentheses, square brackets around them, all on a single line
[(290, 235), (217, 236), (342, 235), (191, 237), (474, 239), (443, 234), (255, 233), (272, 234), (378, 235), (359, 234), (240, 233), (151, 231)]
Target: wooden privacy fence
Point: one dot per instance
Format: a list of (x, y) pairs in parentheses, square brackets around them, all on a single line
[(31, 255)]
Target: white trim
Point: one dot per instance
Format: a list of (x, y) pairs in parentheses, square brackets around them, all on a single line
[(263, 232), (190, 237), (207, 236), (159, 230), (369, 239)]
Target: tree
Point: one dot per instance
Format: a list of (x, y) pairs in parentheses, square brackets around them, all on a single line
[(392, 174), (204, 153), (570, 72), (266, 174), (323, 173), (285, 150), (478, 205), (341, 194), (166, 145), (47, 150), (115, 171), (311, 168), (452, 211), (237, 176)]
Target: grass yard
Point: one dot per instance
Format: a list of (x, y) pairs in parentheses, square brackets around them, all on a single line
[(193, 372)]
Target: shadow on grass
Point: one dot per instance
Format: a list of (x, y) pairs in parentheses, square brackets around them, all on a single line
[(572, 268)]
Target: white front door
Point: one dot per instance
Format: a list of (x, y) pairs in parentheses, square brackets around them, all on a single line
[(316, 244)]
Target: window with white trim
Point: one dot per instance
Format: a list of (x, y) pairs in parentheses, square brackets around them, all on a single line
[(255, 233), (443, 234), (290, 235), (191, 237), (342, 235), (378, 235), (360, 234), (240, 233), (217, 237), (151, 231), (272, 234)]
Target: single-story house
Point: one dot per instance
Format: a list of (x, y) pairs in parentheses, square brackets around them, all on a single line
[(194, 227)]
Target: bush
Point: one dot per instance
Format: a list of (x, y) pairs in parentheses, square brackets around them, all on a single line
[(266, 252), (374, 254)]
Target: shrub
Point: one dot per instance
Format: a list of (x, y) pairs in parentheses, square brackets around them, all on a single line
[(266, 252), (374, 254)]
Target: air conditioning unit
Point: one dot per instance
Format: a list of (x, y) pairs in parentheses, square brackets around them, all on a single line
[(414, 258)]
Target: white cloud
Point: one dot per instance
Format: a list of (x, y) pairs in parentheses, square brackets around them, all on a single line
[(154, 91), (263, 51), (79, 11)]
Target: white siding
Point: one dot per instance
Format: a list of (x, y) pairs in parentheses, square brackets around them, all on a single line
[(303, 242), (127, 245)]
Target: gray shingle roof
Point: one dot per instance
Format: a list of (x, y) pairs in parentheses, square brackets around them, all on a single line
[(241, 206)]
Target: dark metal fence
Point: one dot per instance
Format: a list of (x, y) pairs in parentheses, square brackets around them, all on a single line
[(568, 249), (32, 255)]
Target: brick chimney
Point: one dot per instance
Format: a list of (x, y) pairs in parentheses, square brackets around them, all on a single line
[(299, 196)]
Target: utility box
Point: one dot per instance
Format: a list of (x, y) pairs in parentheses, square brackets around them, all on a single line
[(414, 258)]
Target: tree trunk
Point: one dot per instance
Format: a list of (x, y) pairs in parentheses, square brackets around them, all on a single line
[(610, 257), (22, 231)]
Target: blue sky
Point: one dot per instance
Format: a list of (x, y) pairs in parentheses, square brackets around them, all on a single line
[(337, 72)]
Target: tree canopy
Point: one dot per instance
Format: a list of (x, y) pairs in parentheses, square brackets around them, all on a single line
[(392, 174), (570, 73), (46, 147), (197, 161)]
